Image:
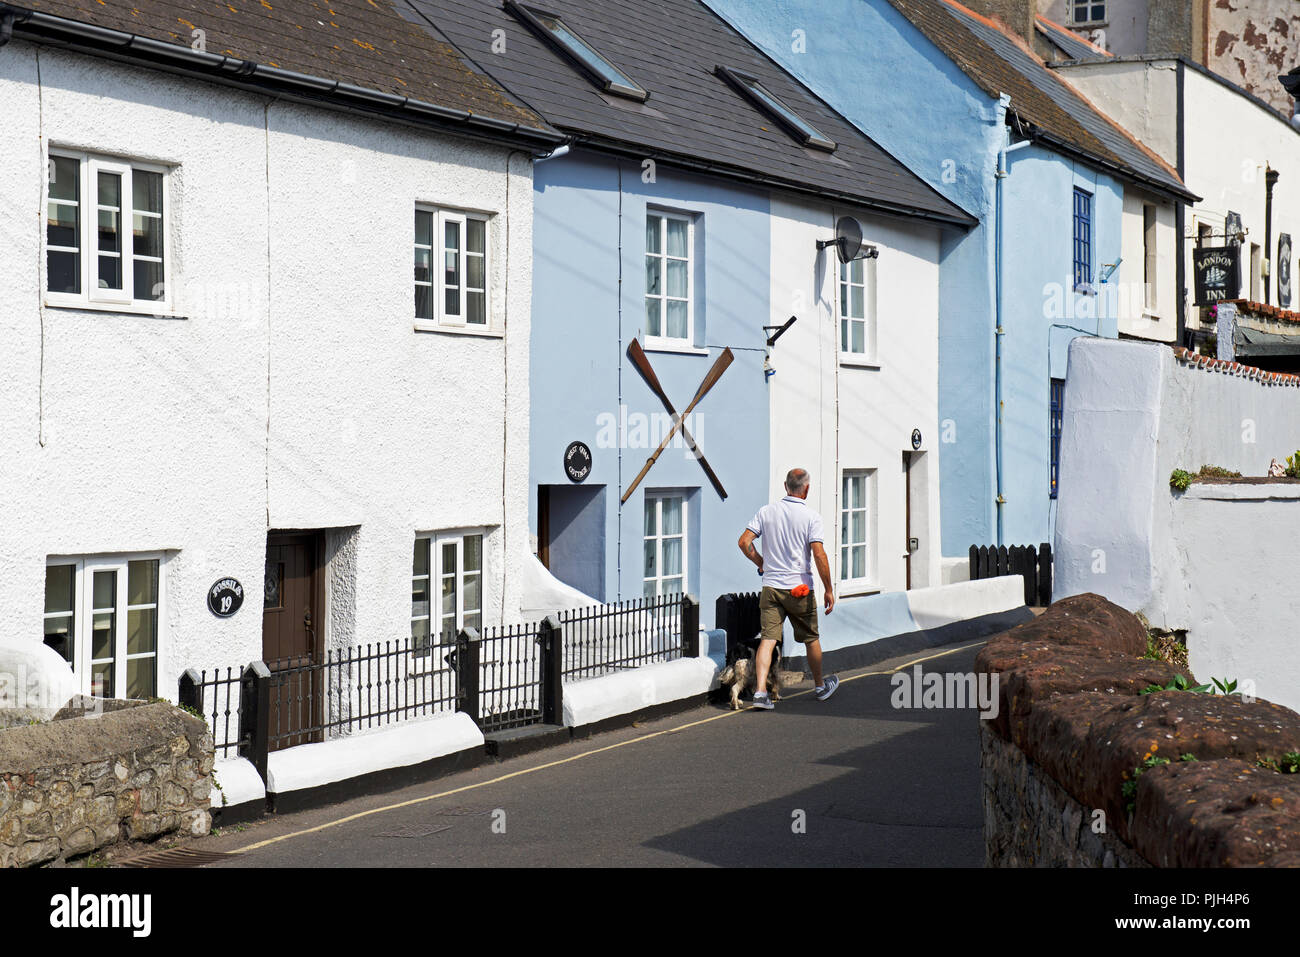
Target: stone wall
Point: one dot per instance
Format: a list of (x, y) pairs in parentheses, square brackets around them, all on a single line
[(1074, 768), (1030, 821), (70, 786)]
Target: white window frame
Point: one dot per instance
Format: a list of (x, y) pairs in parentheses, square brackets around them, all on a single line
[(84, 610), (870, 580), (870, 347), (1150, 261), (664, 341), (91, 296), (436, 540), (441, 319), (656, 497), (1074, 5)]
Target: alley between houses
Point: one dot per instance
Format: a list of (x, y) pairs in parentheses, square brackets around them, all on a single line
[(851, 781)]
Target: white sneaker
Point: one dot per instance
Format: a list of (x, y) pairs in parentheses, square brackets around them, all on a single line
[(829, 684)]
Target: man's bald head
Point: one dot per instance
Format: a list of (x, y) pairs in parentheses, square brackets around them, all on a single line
[(796, 481)]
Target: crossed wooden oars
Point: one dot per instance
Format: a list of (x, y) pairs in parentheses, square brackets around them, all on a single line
[(639, 360)]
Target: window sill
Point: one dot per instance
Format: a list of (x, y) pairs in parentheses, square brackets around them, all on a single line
[(857, 590), (858, 362), (116, 309), (475, 332), (667, 345), (1148, 314)]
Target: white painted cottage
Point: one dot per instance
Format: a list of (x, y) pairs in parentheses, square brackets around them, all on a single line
[(854, 390), (217, 364)]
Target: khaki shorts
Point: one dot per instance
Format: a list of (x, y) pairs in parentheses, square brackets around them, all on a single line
[(775, 605)]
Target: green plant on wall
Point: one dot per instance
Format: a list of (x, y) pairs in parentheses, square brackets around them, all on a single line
[(1179, 683), (1129, 789), (1225, 687), (1219, 686), (1215, 471), (1289, 763), (1293, 465), (1180, 480)]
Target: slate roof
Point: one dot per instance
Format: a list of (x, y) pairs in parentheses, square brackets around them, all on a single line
[(370, 45), (1070, 44), (692, 118), (1047, 107)]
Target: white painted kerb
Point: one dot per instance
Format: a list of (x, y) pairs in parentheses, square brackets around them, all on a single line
[(240, 783), (311, 765), (598, 698), (946, 604)]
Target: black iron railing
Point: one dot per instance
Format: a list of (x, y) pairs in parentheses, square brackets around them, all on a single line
[(503, 678), (511, 662), (602, 639), (358, 688), (216, 696)]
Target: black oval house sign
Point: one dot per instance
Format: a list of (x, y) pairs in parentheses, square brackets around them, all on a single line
[(225, 597), (577, 461), (916, 438)]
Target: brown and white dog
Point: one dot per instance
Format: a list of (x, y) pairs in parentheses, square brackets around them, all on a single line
[(742, 675)]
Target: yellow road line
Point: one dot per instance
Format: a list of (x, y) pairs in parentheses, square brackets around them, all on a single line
[(574, 757)]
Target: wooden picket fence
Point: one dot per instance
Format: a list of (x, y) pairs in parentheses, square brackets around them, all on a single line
[(993, 561)]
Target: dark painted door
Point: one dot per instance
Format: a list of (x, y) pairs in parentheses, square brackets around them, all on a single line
[(571, 535), (907, 544), (290, 636)]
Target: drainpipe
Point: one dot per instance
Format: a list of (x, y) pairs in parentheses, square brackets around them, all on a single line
[(1270, 180), (998, 331)]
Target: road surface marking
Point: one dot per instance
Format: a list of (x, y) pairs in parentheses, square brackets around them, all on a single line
[(574, 757)]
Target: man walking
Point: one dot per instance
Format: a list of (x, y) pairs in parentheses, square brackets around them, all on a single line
[(792, 532)]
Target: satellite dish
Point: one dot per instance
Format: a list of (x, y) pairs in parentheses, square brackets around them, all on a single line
[(848, 241)]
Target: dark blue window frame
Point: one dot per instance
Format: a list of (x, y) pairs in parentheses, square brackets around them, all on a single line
[(1082, 240), (1058, 406)]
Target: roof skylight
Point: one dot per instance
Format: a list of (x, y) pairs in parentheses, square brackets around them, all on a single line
[(776, 108), (551, 28)]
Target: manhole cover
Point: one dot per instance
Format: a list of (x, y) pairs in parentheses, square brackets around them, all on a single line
[(415, 830), (177, 857)]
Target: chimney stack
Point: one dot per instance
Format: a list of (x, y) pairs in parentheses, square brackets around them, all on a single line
[(1016, 15)]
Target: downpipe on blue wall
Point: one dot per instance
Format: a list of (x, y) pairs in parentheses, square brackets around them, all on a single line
[(998, 331)]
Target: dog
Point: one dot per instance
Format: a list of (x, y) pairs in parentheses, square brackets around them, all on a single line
[(741, 676)]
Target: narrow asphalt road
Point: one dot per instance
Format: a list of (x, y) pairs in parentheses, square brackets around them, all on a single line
[(850, 781)]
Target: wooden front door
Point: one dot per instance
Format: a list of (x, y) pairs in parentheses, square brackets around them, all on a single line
[(291, 622)]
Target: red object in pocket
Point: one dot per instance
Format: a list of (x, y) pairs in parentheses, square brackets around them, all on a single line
[(800, 590)]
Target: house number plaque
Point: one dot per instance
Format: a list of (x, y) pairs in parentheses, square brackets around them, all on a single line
[(225, 597), (577, 461)]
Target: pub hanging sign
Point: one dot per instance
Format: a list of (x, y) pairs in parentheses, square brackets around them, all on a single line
[(1218, 273), (1284, 270)]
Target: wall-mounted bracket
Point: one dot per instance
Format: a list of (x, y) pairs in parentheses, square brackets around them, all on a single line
[(780, 330)]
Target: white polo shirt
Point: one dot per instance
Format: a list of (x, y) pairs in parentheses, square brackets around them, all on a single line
[(787, 528)]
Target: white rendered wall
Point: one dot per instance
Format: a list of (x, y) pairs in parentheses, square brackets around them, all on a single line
[(1158, 321), (878, 406), (1141, 96), (302, 399), (1215, 560)]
